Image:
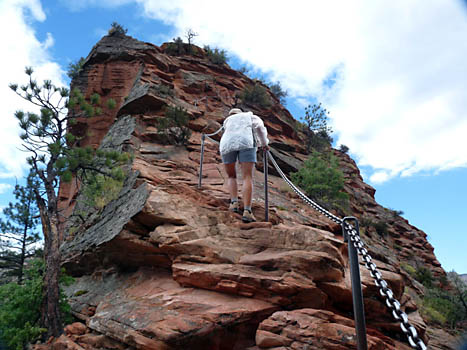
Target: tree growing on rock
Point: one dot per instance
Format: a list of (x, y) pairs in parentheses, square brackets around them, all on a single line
[(18, 234), (190, 35), (75, 68), (316, 129), (323, 181), (279, 92), (117, 29), (54, 157), (175, 125)]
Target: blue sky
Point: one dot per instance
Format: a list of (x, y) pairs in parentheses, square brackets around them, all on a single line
[(393, 77)]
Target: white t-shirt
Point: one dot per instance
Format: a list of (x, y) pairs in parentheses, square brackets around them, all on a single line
[(238, 133)]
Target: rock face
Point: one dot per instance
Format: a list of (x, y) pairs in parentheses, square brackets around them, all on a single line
[(167, 266)]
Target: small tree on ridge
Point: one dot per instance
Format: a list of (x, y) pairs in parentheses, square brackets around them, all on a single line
[(18, 234)]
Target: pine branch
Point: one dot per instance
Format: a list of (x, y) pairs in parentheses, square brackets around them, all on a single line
[(9, 246), (10, 259)]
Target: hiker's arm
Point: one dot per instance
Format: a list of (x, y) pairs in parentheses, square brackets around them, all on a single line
[(260, 130)]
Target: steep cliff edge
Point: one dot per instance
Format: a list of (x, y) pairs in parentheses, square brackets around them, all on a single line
[(167, 266)]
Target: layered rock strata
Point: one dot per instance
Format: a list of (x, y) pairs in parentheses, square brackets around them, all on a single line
[(167, 266)]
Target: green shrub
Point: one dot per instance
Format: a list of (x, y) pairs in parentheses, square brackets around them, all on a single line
[(409, 269), (320, 140), (442, 307), (365, 222), (244, 70), (424, 276), (75, 68), (277, 90), (433, 315), (117, 29), (20, 308), (443, 280), (164, 90), (256, 94), (381, 228), (102, 190), (175, 48), (344, 149), (216, 55), (175, 125), (394, 213), (322, 180)]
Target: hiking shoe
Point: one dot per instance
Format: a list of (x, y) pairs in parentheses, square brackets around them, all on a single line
[(234, 206), (248, 216)]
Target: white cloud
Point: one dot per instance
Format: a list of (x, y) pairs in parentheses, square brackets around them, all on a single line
[(4, 187), (82, 4), (398, 68), (20, 48), (398, 100)]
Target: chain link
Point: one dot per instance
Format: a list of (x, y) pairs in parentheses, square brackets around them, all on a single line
[(392, 303)]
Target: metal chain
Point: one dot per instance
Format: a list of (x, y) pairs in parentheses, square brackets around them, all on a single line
[(384, 290), (211, 139), (214, 133)]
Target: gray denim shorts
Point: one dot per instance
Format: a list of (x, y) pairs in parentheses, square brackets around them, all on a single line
[(244, 155)]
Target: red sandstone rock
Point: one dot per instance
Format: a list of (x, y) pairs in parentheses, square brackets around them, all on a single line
[(76, 328), (313, 330), (184, 272), (64, 343)]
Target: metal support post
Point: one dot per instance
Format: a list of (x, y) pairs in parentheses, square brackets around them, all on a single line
[(203, 137), (357, 295), (266, 196)]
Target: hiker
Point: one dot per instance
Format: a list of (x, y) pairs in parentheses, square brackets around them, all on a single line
[(243, 131)]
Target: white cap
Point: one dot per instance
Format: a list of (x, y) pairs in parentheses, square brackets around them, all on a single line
[(235, 111)]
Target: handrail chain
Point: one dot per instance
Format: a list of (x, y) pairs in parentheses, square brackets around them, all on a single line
[(385, 291), (392, 303)]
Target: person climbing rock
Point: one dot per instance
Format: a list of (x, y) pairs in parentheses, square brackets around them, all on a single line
[(243, 132)]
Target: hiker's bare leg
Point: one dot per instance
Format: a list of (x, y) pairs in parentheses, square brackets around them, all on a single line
[(247, 187), (231, 180)]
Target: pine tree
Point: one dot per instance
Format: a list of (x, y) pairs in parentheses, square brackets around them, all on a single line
[(54, 157), (18, 235), (316, 129)]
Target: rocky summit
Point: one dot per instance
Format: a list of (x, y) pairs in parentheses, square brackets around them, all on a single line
[(166, 265)]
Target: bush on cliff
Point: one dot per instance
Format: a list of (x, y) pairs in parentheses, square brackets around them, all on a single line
[(20, 307), (175, 125), (281, 94), (442, 307), (255, 94), (323, 181), (75, 68), (102, 190), (117, 29), (343, 148), (176, 47), (216, 56)]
